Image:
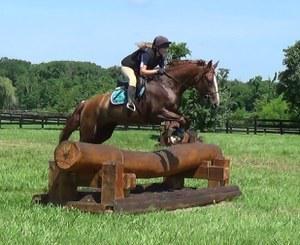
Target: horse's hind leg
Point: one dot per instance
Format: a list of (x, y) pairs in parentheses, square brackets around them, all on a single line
[(88, 136), (104, 133), (88, 131)]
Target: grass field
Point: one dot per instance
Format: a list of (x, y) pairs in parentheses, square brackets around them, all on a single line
[(267, 169)]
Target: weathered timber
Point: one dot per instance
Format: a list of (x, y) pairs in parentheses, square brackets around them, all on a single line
[(171, 200), (74, 156), (163, 200), (101, 178)]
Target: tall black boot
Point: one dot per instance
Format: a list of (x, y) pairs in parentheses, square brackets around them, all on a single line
[(131, 97)]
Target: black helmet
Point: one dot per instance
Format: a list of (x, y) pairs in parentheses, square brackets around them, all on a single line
[(160, 42)]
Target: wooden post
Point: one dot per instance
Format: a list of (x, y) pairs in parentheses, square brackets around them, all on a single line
[(255, 125), (62, 185), (225, 180), (112, 183), (227, 126), (281, 129), (20, 121)]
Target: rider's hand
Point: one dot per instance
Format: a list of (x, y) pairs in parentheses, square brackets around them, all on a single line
[(160, 71)]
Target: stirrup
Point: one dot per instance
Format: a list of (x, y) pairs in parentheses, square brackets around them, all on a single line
[(131, 106)]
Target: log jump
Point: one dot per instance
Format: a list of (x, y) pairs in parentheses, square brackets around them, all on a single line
[(74, 156), (98, 178)]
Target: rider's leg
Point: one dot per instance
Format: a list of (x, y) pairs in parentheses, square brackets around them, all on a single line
[(129, 73)]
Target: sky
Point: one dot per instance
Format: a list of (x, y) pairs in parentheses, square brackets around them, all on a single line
[(247, 37)]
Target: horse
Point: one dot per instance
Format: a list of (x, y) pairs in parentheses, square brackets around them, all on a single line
[(97, 117)]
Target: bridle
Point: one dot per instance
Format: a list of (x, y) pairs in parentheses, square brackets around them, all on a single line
[(209, 94)]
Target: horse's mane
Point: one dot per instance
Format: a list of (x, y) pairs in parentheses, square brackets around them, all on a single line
[(182, 62)]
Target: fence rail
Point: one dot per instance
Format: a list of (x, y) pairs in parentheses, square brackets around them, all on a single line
[(256, 126), (27, 118), (247, 126)]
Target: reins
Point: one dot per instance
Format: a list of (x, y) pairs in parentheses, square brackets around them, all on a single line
[(171, 77)]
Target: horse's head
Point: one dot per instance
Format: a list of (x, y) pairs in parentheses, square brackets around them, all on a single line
[(206, 83), (196, 74)]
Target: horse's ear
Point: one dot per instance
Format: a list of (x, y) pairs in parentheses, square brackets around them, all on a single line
[(209, 65), (216, 65)]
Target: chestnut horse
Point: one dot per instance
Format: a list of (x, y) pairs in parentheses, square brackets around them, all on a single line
[(97, 117)]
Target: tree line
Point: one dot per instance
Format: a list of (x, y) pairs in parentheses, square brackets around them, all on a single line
[(58, 86)]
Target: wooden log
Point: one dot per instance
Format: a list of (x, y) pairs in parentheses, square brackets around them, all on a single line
[(62, 185), (75, 156)]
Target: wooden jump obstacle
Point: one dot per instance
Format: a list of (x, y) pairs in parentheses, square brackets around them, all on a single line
[(99, 178)]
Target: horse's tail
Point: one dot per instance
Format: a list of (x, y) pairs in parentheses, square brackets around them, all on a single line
[(72, 123)]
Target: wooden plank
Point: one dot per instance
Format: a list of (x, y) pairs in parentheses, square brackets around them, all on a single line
[(112, 183), (129, 181), (211, 173), (216, 173), (169, 200), (173, 200), (221, 162)]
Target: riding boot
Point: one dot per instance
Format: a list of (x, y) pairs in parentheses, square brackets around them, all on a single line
[(131, 97)]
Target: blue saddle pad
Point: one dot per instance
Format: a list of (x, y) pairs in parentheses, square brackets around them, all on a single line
[(119, 96)]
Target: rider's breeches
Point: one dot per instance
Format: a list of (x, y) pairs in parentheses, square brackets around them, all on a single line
[(129, 73)]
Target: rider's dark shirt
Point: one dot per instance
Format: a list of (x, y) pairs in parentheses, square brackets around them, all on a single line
[(145, 56)]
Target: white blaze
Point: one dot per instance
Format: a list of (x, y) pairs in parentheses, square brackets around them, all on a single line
[(217, 89)]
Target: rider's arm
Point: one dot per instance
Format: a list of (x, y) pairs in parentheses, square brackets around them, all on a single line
[(145, 72), (143, 66)]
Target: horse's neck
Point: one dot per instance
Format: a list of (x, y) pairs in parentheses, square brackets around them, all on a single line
[(181, 79)]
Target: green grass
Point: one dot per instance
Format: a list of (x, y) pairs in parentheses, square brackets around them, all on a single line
[(266, 167)]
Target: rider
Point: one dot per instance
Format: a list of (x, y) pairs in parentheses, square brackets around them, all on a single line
[(143, 62)]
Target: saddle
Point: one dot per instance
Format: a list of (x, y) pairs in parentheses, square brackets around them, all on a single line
[(119, 95)]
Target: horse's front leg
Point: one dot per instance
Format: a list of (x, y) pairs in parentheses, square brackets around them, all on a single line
[(172, 116)]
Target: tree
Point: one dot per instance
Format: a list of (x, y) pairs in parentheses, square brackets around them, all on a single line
[(7, 93), (244, 95), (200, 111), (241, 95), (276, 108), (289, 79), (13, 69), (177, 51), (57, 85)]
